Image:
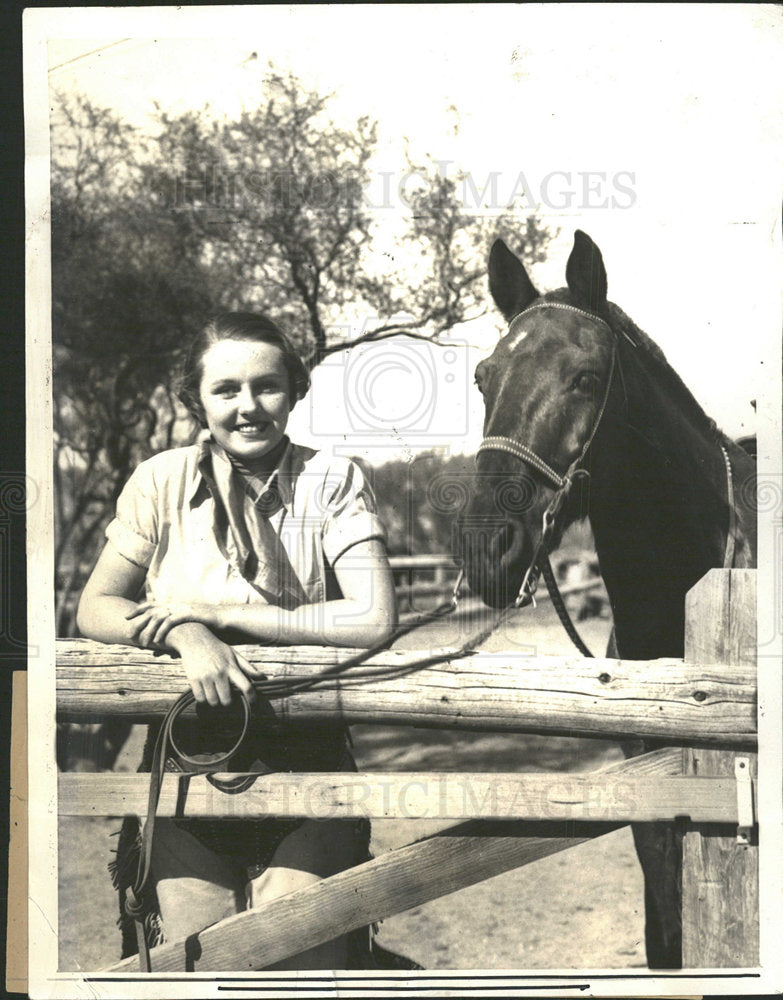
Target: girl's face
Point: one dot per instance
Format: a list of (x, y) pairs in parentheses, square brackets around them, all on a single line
[(244, 392)]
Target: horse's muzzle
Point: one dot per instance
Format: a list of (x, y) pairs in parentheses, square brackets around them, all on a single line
[(494, 556)]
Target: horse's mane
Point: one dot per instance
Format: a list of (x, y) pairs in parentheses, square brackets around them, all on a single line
[(623, 324)]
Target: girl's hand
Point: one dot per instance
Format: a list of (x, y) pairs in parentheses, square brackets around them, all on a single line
[(211, 665), (154, 621)]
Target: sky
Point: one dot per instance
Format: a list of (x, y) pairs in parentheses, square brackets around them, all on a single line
[(658, 129)]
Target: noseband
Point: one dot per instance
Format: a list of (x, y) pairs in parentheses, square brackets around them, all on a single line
[(562, 484)]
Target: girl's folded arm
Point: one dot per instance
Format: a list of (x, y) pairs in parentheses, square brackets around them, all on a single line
[(364, 616), (108, 610), (108, 596)]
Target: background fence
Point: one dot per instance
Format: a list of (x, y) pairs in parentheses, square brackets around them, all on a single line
[(423, 581)]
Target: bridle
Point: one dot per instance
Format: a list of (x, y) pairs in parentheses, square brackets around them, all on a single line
[(562, 484)]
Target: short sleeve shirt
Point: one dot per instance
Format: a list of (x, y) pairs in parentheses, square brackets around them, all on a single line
[(165, 522)]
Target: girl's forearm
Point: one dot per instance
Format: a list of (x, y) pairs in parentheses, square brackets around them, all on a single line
[(104, 618), (333, 623)]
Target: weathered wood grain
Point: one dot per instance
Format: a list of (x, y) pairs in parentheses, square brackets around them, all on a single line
[(413, 795), (397, 881), (720, 889), (664, 699)]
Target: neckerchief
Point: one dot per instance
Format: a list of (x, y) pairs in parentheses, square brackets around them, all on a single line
[(244, 506)]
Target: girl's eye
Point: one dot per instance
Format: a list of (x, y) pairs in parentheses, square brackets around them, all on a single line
[(229, 391)]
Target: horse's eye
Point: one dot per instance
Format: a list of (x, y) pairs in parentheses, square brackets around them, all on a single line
[(586, 382)]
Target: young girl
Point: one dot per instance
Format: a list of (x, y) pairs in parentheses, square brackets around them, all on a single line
[(243, 537)]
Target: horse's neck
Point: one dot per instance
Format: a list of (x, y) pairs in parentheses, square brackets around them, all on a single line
[(660, 518)]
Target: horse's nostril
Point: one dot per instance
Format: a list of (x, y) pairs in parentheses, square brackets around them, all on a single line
[(508, 545), (500, 542)]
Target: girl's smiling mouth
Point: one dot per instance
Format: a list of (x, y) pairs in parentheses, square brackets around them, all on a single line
[(249, 429)]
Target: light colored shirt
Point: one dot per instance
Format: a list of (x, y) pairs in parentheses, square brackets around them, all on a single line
[(167, 521)]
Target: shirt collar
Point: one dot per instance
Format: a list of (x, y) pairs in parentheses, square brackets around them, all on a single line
[(283, 476)]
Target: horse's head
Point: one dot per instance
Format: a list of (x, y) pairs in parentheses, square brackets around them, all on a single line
[(544, 387)]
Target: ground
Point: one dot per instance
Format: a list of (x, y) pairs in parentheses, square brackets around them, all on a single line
[(580, 909)]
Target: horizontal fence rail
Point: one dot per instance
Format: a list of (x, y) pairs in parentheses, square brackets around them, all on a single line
[(665, 699), (423, 576), (412, 795)]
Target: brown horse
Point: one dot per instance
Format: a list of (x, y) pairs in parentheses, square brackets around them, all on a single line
[(581, 406)]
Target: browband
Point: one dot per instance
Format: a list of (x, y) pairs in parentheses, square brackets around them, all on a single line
[(557, 305)]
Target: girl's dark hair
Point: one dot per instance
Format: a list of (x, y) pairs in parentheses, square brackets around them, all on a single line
[(237, 326)]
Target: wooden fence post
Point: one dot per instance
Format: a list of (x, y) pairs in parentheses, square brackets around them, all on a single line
[(720, 889)]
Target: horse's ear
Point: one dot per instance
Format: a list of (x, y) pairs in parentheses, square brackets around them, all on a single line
[(586, 274), (511, 288)]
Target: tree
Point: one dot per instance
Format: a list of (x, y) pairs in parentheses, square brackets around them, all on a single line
[(277, 201), (267, 212), (125, 292)]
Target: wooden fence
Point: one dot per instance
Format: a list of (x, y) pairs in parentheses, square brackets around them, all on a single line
[(427, 576), (704, 705)]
